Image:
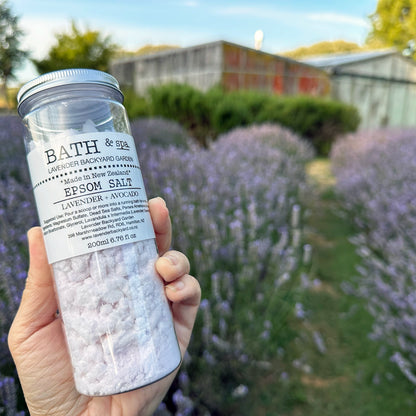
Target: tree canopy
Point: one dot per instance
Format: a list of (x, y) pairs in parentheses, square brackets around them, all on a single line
[(78, 49), (147, 49), (11, 54), (393, 24), (322, 48)]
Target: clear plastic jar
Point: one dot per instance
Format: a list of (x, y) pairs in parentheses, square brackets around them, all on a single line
[(98, 233)]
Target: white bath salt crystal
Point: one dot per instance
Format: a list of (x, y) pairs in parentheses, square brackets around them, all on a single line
[(79, 266), (119, 269), (112, 295), (123, 307), (62, 136), (85, 299), (106, 325), (123, 339), (154, 319), (76, 330), (106, 319), (93, 269), (89, 127), (100, 372), (105, 310), (118, 256)]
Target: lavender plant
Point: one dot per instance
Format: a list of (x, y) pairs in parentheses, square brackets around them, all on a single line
[(236, 214), (376, 173), (277, 137), (160, 132), (17, 214), (231, 207), (12, 155), (8, 397)]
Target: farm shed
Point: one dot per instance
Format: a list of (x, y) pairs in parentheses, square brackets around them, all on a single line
[(221, 63), (381, 84)]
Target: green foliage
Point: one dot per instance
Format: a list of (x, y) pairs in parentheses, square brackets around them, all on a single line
[(184, 104), (135, 105), (207, 115), (394, 24), (230, 113), (12, 97), (322, 48), (78, 49), (11, 55), (10, 34), (320, 120), (237, 109), (146, 50)]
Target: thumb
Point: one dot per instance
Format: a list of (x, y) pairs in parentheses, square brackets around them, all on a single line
[(39, 305)]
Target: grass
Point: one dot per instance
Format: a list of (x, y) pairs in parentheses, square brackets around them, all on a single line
[(354, 377)]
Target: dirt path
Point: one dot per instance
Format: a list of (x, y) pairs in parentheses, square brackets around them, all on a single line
[(333, 367), (347, 376)]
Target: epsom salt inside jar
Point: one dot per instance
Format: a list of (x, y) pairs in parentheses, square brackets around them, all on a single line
[(98, 232)]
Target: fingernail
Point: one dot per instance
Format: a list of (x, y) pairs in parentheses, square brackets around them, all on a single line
[(171, 258), (158, 198), (176, 286)]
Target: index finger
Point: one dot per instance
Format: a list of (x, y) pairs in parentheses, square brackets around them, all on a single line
[(161, 223)]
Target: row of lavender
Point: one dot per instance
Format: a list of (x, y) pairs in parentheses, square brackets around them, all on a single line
[(17, 214), (235, 211), (236, 214), (376, 173)]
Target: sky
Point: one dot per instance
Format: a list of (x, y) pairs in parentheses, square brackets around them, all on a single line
[(286, 24)]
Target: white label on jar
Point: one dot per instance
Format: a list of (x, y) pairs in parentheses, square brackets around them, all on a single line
[(89, 193)]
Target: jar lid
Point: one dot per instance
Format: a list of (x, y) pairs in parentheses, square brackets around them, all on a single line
[(65, 77)]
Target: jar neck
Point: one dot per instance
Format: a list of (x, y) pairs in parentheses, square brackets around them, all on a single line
[(68, 92)]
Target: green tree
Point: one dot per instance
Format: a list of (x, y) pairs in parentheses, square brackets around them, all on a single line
[(11, 55), (146, 50), (394, 24), (78, 49), (322, 48)]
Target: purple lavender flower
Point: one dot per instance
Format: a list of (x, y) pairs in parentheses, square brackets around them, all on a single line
[(376, 173), (8, 396), (231, 208), (183, 404)]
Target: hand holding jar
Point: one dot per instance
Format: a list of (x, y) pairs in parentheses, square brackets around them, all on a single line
[(37, 340)]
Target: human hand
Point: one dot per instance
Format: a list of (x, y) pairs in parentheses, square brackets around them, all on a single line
[(37, 341)]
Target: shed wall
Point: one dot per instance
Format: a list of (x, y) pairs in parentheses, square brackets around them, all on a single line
[(249, 69), (390, 66), (199, 66), (233, 66), (382, 89)]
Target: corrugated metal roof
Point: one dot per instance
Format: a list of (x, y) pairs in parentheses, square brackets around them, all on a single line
[(335, 60)]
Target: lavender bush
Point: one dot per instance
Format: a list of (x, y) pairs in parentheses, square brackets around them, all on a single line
[(17, 214), (376, 173), (160, 132), (12, 155), (277, 137), (235, 212), (8, 397)]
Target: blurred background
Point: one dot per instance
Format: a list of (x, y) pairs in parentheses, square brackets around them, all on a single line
[(282, 136)]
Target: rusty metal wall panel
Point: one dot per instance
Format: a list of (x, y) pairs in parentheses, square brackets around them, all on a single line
[(233, 66), (199, 66), (246, 68)]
